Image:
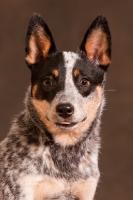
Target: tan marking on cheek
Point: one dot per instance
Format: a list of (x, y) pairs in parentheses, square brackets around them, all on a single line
[(85, 189), (55, 73), (34, 90), (42, 108), (76, 73)]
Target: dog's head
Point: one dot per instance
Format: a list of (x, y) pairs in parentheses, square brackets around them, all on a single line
[(67, 87)]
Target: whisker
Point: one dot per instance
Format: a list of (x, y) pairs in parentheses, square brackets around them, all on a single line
[(111, 90)]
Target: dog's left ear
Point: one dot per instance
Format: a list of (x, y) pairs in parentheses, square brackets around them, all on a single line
[(39, 41), (97, 42)]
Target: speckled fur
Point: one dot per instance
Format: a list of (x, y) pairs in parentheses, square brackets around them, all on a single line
[(40, 160)]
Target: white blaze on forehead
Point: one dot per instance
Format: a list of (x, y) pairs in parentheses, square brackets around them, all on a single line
[(70, 60)]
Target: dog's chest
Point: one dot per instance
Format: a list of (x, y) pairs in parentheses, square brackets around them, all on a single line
[(43, 187), (68, 163), (64, 180), (48, 188)]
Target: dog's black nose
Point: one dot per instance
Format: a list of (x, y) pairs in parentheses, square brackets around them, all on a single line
[(65, 110)]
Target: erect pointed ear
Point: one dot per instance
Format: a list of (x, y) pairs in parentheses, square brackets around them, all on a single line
[(97, 42), (39, 41)]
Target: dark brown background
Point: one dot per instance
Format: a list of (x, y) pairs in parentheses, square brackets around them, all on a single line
[(68, 21)]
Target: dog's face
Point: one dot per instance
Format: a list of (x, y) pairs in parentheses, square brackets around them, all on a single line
[(67, 87)]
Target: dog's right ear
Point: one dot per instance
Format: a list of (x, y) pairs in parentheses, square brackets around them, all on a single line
[(39, 41)]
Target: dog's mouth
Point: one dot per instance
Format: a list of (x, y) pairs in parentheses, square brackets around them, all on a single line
[(64, 123), (68, 124)]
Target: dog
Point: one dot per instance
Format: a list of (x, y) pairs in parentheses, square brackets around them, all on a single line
[(51, 151)]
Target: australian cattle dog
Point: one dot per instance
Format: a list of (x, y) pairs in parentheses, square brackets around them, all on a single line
[(51, 151)]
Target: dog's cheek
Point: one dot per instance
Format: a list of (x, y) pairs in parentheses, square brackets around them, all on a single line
[(42, 107), (95, 100), (51, 114), (91, 106)]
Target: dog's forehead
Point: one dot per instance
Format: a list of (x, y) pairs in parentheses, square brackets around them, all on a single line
[(61, 60), (70, 59)]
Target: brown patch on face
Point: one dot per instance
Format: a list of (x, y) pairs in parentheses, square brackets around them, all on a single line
[(96, 47), (39, 45), (42, 108), (85, 189), (76, 73), (55, 73), (34, 90)]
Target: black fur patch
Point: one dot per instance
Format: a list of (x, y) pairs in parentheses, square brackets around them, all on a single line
[(44, 70), (92, 72)]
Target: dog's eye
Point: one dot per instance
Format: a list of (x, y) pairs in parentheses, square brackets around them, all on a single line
[(84, 82), (47, 82)]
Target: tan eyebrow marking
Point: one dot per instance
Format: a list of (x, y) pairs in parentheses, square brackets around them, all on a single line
[(76, 73), (55, 73)]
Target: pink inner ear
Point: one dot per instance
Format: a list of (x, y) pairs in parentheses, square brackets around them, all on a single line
[(32, 56), (39, 45), (96, 47)]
